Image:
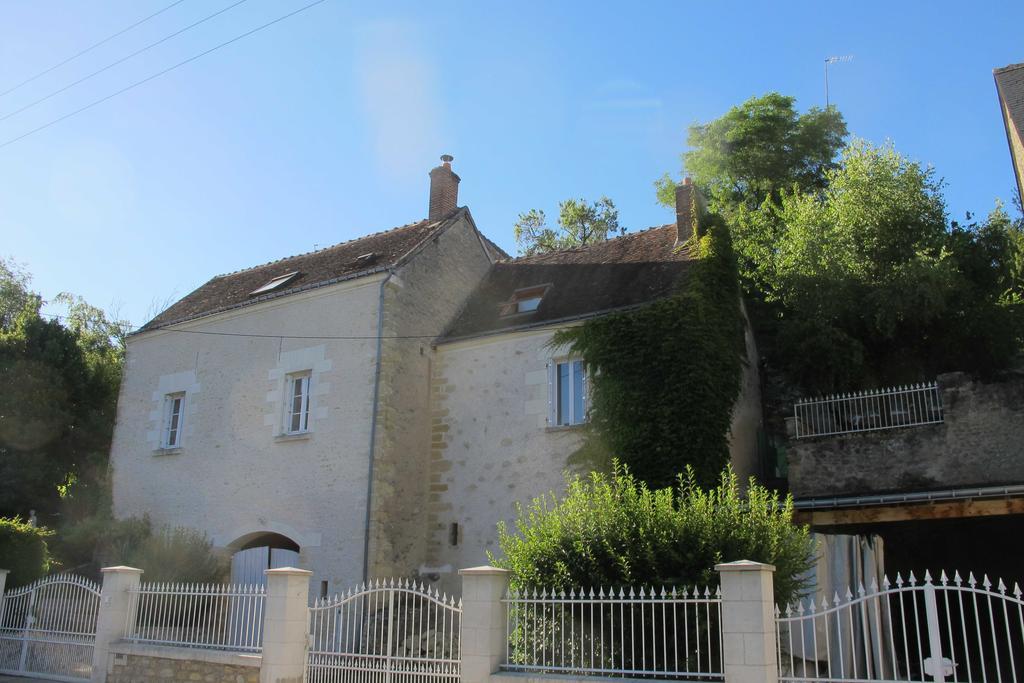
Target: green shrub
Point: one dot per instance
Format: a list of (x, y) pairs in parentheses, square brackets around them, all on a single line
[(99, 541), (178, 554), (23, 550), (613, 531)]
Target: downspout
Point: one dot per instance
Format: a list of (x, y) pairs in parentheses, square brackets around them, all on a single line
[(373, 427)]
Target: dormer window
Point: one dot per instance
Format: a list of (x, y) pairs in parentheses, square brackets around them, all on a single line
[(277, 282), (526, 300)]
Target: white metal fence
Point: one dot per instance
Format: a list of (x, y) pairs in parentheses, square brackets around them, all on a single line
[(212, 616), (48, 628), (907, 631), (666, 633), (865, 411), (389, 631)]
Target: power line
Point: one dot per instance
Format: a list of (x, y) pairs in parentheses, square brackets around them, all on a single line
[(90, 48), (120, 61), (159, 73)]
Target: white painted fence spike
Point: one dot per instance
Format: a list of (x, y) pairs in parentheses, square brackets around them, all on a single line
[(985, 582), (943, 579), (860, 589), (800, 608), (718, 592), (912, 580), (927, 576), (849, 595), (899, 579), (1002, 586), (835, 598), (777, 611), (971, 581), (1016, 590), (824, 602), (956, 577), (874, 584)]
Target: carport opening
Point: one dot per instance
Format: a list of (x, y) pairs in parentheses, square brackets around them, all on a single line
[(269, 540)]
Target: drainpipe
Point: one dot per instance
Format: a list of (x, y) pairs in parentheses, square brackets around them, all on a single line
[(373, 427)]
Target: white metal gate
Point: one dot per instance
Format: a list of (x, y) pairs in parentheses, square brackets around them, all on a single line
[(48, 628), (387, 632), (906, 631)]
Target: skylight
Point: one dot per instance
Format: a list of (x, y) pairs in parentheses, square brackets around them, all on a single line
[(275, 283), (526, 300)]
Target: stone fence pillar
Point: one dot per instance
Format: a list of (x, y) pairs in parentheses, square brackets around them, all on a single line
[(116, 608), (285, 625), (748, 622), (483, 634), (3, 583)]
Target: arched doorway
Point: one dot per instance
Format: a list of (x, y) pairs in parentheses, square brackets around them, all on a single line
[(259, 551)]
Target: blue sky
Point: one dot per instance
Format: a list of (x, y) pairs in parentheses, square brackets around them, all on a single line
[(323, 127)]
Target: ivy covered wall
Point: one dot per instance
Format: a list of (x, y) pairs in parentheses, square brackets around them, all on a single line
[(665, 376)]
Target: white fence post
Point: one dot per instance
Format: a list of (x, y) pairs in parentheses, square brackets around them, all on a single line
[(116, 601), (484, 637), (748, 622), (285, 625)]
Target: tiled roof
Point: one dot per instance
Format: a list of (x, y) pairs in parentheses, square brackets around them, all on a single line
[(1010, 85), (614, 274), (316, 268)]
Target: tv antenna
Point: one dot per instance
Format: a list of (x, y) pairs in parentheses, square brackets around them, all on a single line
[(833, 60)]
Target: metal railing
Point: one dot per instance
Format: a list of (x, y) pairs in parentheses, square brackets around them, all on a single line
[(666, 633), (866, 411), (906, 631), (210, 616), (394, 630)]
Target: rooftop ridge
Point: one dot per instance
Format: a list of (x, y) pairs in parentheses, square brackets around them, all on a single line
[(1008, 67), (327, 248), (586, 247)]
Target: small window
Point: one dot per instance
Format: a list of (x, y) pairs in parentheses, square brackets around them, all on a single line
[(525, 300), (174, 414), (275, 283), (568, 393), (453, 534), (296, 419)]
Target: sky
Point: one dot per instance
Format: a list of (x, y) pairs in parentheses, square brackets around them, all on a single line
[(322, 127)]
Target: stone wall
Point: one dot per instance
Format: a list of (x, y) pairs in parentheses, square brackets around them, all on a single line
[(420, 300), (234, 474), (980, 443), (181, 666)]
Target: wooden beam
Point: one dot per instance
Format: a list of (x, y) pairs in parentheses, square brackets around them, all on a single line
[(876, 514)]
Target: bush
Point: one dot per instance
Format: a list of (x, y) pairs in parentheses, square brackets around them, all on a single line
[(23, 551), (613, 531), (99, 541), (178, 554)]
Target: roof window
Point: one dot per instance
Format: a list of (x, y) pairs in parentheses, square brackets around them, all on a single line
[(525, 300), (275, 283)]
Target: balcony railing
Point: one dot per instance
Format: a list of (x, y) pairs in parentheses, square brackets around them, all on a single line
[(867, 411)]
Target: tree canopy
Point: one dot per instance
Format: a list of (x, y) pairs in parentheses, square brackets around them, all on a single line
[(579, 223), (60, 381), (758, 149)]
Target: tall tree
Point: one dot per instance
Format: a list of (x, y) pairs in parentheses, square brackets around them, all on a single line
[(758, 149), (57, 407), (579, 223)]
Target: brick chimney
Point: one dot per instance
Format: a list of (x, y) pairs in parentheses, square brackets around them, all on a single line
[(444, 189), (690, 205)]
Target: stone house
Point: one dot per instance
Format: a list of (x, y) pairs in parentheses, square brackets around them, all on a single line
[(1010, 89), (376, 407)]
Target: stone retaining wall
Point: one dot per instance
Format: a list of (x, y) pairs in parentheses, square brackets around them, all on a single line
[(138, 663), (981, 443)]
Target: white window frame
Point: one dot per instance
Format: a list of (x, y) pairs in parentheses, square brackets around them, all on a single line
[(292, 381), (174, 420), (575, 365)]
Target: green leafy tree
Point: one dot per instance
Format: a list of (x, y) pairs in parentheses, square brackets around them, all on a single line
[(57, 408), (873, 284), (758, 149), (579, 223), (612, 530)]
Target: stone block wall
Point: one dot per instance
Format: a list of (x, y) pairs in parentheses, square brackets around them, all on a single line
[(143, 668), (980, 443)]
